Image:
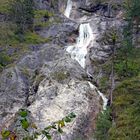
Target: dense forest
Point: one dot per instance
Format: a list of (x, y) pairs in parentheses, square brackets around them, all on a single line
[(23, 24)]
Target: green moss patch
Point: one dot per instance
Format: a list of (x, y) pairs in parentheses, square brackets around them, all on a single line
[(34, 38), (60, 76), (43, 13), (4, 6)]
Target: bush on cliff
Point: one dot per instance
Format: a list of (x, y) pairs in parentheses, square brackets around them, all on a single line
[(103, 124)]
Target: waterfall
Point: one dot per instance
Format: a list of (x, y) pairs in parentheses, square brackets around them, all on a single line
[(105, 100), (68, 9), (79, 51)]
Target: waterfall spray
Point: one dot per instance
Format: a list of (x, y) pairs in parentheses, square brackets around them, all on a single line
[(68, 9), (79, 51)]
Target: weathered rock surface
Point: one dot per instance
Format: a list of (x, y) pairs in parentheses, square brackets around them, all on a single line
[(12, 93), (60, 33), (54, 100), (55, 5), (63, 90), (50, 84)]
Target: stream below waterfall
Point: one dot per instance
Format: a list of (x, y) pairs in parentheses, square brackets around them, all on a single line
[(78, 51)]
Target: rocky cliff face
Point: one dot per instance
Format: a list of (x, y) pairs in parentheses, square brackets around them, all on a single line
[(58, 88), (50, 83)]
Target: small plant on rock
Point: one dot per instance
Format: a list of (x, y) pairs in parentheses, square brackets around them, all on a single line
[(31, 130)]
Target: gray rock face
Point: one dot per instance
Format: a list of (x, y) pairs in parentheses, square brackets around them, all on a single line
[(12, 93), (15, 82), (50, 84), (100, 49), (59, 30), (55, 100), (56, 5), (63, 90)]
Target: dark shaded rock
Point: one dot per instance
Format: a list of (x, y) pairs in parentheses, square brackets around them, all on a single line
[(95, 8)]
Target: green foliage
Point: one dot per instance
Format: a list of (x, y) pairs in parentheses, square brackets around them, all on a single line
[(1, 68), (23, 113), (104, 83), (4, 6), (7, 35), (24, 123), (71, 115), (127, 62), (19, 29), (132, 8), (126, 110), (43, 13), (127, 65), (109, 37), (27, 126), (5, 134), (33, 38), (60, 76), (39, 23), (126, 98), (44, 18), (103, 125), (4, 59), (22, 14)]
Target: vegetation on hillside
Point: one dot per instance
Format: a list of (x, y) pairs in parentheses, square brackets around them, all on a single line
[(19, 20), (103, 125), (125, 110), (121, 120), (22, 14)]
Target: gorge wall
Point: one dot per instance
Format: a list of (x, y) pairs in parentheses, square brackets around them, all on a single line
[(49, 82)]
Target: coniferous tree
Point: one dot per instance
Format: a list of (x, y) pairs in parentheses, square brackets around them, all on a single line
[(21, 13), (126, 65)]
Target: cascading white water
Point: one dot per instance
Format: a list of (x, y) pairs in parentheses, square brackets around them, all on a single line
[(79, 51), (105, 100), (68, 9)]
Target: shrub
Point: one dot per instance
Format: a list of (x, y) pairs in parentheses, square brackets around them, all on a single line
[(22, 14), (4, 59), (27, 130), (103, 125), (60, 76), (126, 110)]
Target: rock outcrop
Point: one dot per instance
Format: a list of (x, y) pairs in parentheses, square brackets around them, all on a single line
[(50, 84)]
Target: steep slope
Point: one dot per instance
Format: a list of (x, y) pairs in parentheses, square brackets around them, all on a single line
[(59, 62), (50, 84)]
